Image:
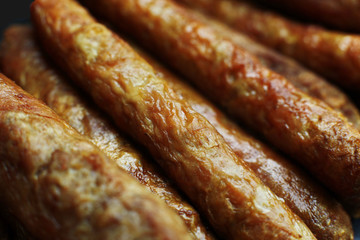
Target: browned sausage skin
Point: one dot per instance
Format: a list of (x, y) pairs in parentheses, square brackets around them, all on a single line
[(60, 186), (302, 78), (193, 153), (24, 63), (331, 54), (323, 215), (305, 128), (340, 14)]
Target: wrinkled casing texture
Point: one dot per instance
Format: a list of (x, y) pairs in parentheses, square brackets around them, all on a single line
[(304, 127), (60, 186), (329, 53), (302, 78), (193, 153), (23, 61), (323, 215)]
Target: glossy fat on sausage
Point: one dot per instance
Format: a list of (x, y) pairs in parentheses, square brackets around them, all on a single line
[(329, 53), (308, 130), (60, 186), (23, 61), (321, 212), (186, 145), (340, 14), (302, 78)]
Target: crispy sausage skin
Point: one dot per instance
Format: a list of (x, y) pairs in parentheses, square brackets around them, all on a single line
[(323, 215), (305, 128), (23, 61), (332, 54), (188, 147), (60, 186), (302, 78), (340, 14)]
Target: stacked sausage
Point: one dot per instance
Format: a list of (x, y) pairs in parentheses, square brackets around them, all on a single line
[(68, 173)]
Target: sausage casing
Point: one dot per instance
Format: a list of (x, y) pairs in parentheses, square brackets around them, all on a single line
[(331, 54), (23, 61), (321, 212), (186, 145), (60, 186), (317, 136), (302, 78)]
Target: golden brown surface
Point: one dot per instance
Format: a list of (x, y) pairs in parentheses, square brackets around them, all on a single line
[(305, 128), (187, 146), (321, 212), (341, 14), (23, 61), (332, 54), (60, 186), (302, 78)]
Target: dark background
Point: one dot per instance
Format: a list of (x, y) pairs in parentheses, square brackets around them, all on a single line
[(18, 11), (12, 11)]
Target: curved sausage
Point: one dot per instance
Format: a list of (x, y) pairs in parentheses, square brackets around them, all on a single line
[(302, 78), (329, 53), (25, 64), (185, 144), (321, 212), (307, 129), (60, 186)]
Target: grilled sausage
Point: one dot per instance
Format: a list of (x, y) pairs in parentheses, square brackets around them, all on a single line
[(25, 64), (23, 60), (305, 128), (340, 14), (60, 186), (323, 215), (302, 78), (187, 146), (331, 54)]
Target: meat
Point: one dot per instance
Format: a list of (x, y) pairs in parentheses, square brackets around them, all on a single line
[(323, 215), (300, 77), (331, 54), (26, 65), (339, 14), (60, 186), (308, 130), (185, 144)]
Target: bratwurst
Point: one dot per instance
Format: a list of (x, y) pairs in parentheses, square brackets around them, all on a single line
[(320, 138), (60, 186), (329, 53), (23, 61), (186, 145)]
